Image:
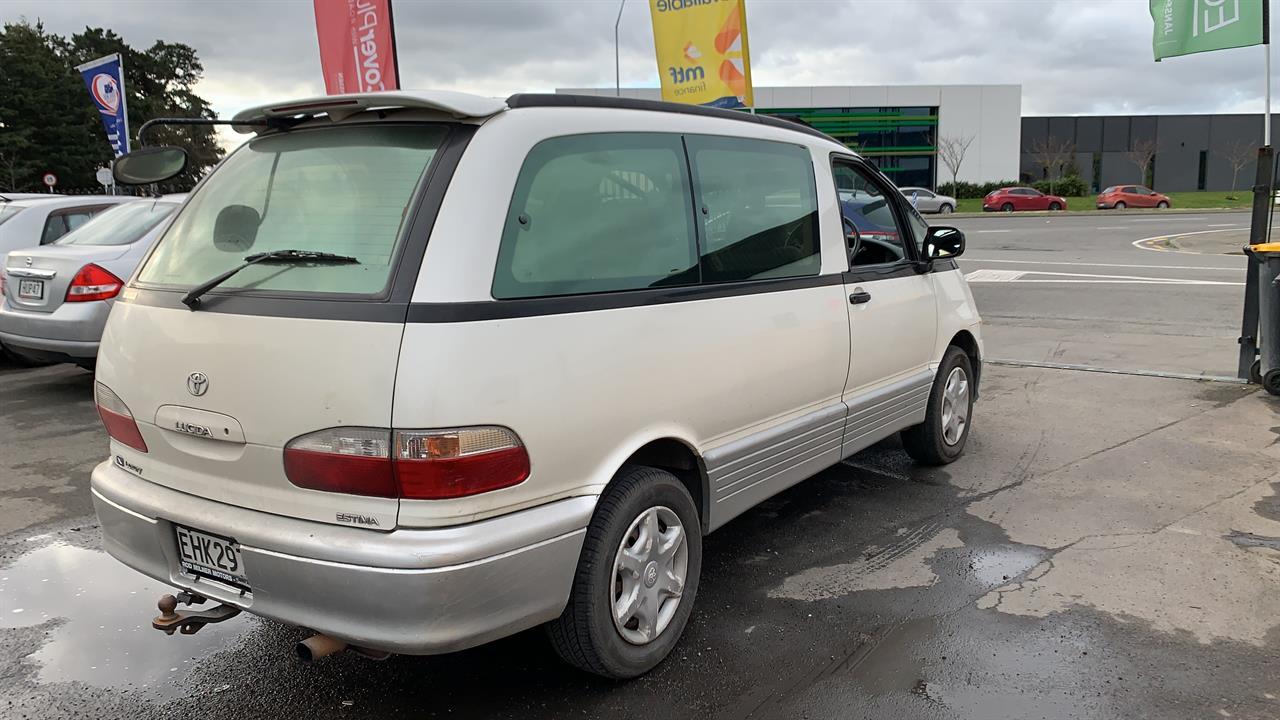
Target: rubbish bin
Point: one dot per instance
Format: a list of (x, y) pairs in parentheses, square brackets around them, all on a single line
[(1267, 262)]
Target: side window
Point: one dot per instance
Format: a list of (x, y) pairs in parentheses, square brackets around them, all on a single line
[(76, 219), (865, 204), (55, 226), (759, 208), (598, 213)]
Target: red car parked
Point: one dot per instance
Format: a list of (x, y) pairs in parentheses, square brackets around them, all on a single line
[(1021, 198), (1136, 196)]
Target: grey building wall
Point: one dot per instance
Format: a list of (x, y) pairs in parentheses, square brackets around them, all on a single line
[(1183, 144)]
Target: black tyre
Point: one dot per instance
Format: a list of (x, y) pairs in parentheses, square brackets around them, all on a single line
[(946, 209), (1120, 205), (637, 577), (1162, 205), (1255, 372), (1054, 207), (940, 439), (1271, 382), (1007, 207)]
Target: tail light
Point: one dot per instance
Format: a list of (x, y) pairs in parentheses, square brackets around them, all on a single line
[(93, 283), (117, 418), (407, 464)]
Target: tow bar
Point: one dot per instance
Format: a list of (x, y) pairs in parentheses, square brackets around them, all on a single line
[(189, 622)]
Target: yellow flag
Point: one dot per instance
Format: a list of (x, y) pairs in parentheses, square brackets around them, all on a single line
[(702, 51)]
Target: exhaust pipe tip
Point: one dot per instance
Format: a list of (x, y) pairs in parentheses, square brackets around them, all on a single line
[(318, 646)]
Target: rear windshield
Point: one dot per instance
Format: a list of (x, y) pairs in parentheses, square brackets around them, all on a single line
[(121, 225), (8, 211), (337, 190)]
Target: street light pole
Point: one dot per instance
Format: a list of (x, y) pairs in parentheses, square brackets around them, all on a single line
[(617, 67)]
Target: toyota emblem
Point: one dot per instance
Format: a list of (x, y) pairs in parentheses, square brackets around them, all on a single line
[(197, 383)]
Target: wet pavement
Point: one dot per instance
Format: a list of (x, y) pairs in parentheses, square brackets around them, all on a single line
[(1103, 550)]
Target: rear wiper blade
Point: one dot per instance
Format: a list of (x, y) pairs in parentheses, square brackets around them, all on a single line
[(293, 257)]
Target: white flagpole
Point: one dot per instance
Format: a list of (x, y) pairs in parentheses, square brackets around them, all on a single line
[(1266, 127)]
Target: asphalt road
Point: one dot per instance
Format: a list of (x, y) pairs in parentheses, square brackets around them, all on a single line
[(1108, 547), (1075, 289)]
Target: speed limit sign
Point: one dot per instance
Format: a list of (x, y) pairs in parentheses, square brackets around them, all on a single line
[(50, 179)]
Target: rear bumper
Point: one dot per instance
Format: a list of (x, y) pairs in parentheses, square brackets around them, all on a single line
[(406, 591), (72, 330)]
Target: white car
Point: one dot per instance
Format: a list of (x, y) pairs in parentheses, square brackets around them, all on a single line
[(419, 370), (41, 220), (928, 201)]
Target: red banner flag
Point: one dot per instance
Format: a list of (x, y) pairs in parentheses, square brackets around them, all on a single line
[(357, 46)]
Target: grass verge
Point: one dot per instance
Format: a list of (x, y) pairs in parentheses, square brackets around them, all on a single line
[(1190, 200)]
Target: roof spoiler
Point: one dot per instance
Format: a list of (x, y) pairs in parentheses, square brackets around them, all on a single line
[(340, 107)]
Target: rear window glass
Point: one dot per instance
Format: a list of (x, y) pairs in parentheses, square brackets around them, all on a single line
[(8, 211), (121, 225), (337, 190)]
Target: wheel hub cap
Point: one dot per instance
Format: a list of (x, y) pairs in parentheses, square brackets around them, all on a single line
[(955, 406), (649, 573)]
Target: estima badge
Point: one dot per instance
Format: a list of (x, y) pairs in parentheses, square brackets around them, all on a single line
[(197, 383)]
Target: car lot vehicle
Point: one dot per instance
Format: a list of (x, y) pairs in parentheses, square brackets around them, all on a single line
[(56, 298), (1021, 198), (928, 201), (40, 221), (419, 370), (1119, 197)]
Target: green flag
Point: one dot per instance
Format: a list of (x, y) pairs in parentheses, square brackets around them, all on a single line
[(1183, 27)]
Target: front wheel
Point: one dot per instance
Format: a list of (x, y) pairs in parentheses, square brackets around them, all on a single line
[(637, 577), (1054, 207), (1162, 205), (941, 438), (1007, 207), (946, 209)]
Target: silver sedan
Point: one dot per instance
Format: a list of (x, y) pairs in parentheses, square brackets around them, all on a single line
[(927, 201), (56, 298)]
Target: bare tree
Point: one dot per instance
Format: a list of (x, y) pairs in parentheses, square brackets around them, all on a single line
[(1052, 155), (1238, 156), (951, 150), (1141, 155)]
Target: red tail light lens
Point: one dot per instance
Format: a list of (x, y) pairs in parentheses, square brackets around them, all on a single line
[(425, 464), (93, 283), (117, 418)]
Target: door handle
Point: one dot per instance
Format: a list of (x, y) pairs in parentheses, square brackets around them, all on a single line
[(859, 297)]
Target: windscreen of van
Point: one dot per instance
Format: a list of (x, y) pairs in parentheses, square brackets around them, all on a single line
[(8, 211), (121, 225), (343, 190)]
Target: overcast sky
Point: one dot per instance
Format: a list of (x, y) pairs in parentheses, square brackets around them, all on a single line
[(1070, 56)]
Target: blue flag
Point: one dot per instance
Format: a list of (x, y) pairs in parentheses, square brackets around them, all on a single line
[(105, 79)]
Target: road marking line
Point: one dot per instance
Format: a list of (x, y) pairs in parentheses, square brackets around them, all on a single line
[(1118, 265), (1143, 243), (1114, 371), (1025, 276), (1165, 219), (1226, 225), (990, 231), (1112, 227)]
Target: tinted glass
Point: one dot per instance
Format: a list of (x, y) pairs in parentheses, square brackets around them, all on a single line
[(598, 213), (864, 202), (759, 208), (55, 226), (121, 225), (341, 190)]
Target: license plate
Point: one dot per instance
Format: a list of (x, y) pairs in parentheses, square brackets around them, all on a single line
[(31, 289), (211, 556)]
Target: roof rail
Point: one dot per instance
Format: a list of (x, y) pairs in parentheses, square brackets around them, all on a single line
[(527, 100)]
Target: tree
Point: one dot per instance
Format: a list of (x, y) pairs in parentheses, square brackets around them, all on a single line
[(1238, 155), (1051, 155), (48, 123), (1142, 154), (951, 150)]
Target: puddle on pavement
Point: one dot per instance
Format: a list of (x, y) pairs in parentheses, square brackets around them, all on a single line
[(993, 566), (104, 637)]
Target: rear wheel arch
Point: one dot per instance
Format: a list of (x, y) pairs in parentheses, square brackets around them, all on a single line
[(680, 459)]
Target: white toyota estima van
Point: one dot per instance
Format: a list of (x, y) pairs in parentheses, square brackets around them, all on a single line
[(419, 370)]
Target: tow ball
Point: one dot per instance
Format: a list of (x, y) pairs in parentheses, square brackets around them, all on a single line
[(189, 622)]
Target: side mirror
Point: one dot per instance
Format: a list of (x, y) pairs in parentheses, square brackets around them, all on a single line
[(853, 241), (943, 242), (236, 228), (149, 165)]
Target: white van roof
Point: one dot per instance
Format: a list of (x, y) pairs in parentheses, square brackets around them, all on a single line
[(338, 107)]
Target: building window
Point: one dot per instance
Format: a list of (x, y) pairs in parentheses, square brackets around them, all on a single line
[(901, 141), (1204, 163), (1097, 172)]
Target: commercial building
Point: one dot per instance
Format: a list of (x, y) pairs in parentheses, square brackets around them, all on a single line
[(1192, 152), (899, 127)]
